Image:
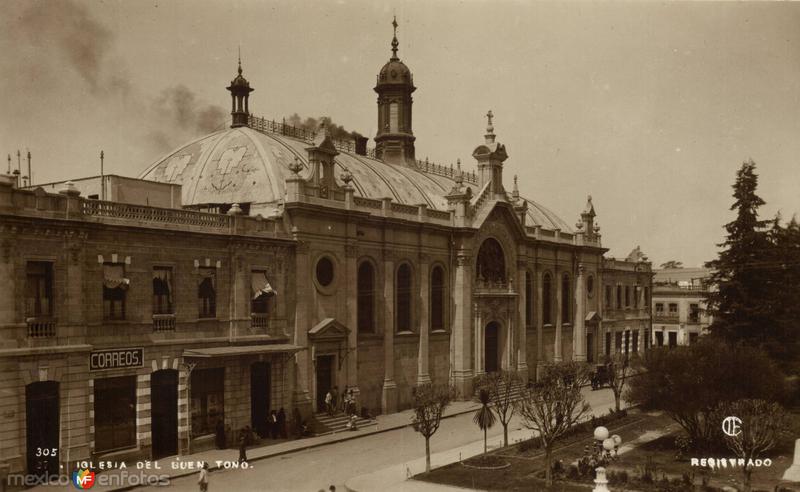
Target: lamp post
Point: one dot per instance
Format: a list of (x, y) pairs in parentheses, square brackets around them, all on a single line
[(604, 445)]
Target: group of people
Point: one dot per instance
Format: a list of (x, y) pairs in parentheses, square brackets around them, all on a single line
[(347, 404), (276, 425)]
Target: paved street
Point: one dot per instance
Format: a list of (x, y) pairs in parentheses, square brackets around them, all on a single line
[(317, 468)]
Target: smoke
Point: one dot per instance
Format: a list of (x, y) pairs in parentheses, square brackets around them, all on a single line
[(66, 30), (337, 132), (54, 37), (181, 116)]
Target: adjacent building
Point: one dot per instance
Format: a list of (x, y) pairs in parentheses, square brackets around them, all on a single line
[(679, 308)]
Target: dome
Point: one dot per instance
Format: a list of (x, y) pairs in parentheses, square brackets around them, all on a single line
[(395, 72), (245, 166)]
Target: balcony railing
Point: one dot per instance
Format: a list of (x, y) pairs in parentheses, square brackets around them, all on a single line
[(163, 322), (259, 321), (41, 327), (666, 318), (493, 286)]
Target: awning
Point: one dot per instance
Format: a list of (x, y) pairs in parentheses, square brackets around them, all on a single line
[(229, 351), (114, 277), (593, 316), (260, 285)]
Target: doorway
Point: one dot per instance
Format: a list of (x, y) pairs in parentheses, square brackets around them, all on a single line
[(590, 347), (42, 421), (164, 388), (324, 374), (491, 347), (260, 389)]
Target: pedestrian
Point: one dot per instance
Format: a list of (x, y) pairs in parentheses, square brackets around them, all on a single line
[(335, 398), (243, 446), (329, 403), (203, 480), (298, 422), (273, 423), (219, 437), (282, 423)]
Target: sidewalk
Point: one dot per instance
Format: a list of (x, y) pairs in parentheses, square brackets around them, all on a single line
[(181, 466)]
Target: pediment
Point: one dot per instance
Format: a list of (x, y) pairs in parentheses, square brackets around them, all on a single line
[(501, 214), (328, 329)]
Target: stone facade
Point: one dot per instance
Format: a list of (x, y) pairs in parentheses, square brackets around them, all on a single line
[(389, 274)]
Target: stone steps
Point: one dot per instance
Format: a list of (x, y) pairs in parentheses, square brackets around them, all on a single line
[(327, 424)]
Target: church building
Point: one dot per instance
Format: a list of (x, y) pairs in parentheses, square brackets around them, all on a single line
[(292, 263)]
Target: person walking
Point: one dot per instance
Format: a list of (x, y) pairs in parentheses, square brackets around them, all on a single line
[(282, 423), (273, 424), (335, 398), (329, 403), (203, 479), (243, 446)]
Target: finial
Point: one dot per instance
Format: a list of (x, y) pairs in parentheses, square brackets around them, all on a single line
[(489, 127), (296, 166), (515, 193), (240, 59), (347, 177), (394, 39), (458, 163), (102, 155), (9, 164)]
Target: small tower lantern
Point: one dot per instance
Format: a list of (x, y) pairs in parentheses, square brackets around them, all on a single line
[(240, 94)]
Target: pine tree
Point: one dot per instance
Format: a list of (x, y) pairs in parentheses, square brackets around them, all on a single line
[(754, 299)]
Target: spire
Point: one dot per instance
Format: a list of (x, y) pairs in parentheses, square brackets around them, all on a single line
[(489, 128), (515, 193), (240, 60), (394, 39)]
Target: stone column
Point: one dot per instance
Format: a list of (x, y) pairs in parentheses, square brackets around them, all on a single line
[(351, 274), (389, 393), (462, 327), (303, 362), (579, 327), (539, 322), (423, 374), (559, 294), (522, 323), (478, 328)]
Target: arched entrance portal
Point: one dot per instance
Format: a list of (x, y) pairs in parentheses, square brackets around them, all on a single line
[(42, 418), (491, 346)]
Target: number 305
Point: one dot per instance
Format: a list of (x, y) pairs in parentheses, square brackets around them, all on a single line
[(46, 451)]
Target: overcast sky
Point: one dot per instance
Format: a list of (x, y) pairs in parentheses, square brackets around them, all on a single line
[(650, 108)]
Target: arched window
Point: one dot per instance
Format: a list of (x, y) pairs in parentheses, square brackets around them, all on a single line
[(528, 300), (566, 302), (437, 299), (491, 263), (366, 298), (403, 296), (547, 299)]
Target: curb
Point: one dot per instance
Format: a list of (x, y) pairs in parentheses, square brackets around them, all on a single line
[(289, 451)]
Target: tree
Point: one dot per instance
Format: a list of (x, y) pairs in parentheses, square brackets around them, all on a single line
[(672, 264), (501, 386), (618, 368), (430, 400), (554, 406), (763, 423), (690, 382), (484, 417), (741, 303)]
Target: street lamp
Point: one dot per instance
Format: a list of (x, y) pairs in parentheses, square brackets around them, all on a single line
[(604, 444)]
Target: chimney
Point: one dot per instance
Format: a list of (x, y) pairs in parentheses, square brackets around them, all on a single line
[(361, 144)]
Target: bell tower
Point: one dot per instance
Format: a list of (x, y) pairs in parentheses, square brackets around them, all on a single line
[(394, 141), (240, 94)]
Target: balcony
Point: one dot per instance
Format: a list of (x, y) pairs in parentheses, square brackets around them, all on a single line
[(494, 288), (41, 327), (666, 318), (163, 322), (259, 322)]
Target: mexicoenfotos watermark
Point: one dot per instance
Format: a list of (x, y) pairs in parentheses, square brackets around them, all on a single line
[(86, 479)]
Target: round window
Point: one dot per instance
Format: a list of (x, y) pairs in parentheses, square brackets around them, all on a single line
[(325, 271)]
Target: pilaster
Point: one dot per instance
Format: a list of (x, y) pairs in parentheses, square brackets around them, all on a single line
[(522, 343), (423, 374), (389, 392), (462, 327)]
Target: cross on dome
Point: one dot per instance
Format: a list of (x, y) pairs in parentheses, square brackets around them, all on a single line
[(394, 39)]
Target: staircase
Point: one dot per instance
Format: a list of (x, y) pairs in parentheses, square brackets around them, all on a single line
[(517, 392), (325, 424)]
